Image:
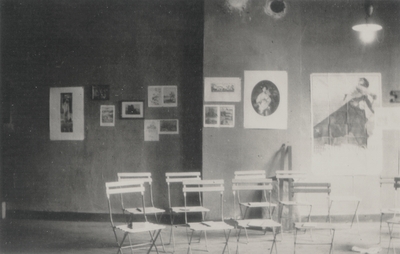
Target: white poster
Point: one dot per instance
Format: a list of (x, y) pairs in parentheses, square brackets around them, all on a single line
[(66, 113), (345, 138), (265, 99), (151, 130)]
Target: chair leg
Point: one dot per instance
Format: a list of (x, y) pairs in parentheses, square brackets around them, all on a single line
[(295, 239), (332, 240), (329, 211), (380, 229), (226, 241), (190, 242), (153, 240), (355, 215), (237, 240)]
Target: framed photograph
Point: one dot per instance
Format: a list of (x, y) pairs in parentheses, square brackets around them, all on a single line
[(107, 115), (132, 109), (265, 99), (101, 92), (219, 116), (169, 126), (162, 96), (222, 89), (66, 113)]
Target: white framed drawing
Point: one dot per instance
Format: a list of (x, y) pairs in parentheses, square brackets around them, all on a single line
[(151, 130), (66, 113), (162, 96), (345, 140), (219, 116), (265, 99), (107, 115), (169, 126), (222, 89)]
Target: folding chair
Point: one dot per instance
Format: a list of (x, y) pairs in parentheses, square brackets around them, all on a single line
[(116, 189), (248, 184), (202, 186), (388, 180), (300, 226), (395, 221), (176, 179), (145, 177)]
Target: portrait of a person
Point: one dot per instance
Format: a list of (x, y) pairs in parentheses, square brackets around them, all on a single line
[(265, 98)]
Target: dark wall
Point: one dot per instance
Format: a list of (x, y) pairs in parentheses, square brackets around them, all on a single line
[(128, 45)]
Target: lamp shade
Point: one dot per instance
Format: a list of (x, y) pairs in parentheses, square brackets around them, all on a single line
[(367, 31)]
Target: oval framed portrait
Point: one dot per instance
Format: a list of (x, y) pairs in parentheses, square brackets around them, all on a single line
[(265, 98)]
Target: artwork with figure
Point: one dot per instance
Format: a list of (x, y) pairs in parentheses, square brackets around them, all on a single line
[(343, 118), (66, 112), (265, 98)]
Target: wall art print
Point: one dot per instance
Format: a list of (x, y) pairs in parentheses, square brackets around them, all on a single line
[(107, 115), (66, 113), (222, 89), (219, 116), (265, 99), (162, 96), (345, 140)]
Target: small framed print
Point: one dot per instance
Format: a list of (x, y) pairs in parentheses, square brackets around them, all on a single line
[(219, 116), (101, 92), (169, 126), (222, 89), (162, 96), (132, 109), (107, 115)]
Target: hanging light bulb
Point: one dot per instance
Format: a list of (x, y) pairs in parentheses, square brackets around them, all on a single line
[(367, 31)]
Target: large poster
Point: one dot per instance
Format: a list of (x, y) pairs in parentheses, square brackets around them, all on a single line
[(265, 99), (345, 138)]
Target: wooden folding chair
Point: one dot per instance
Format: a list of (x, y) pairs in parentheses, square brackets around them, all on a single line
[(249, 184), (115, 190), (202, 186), (145, 177), (395, 221), (393, 209), (176, 179), (301, 226)]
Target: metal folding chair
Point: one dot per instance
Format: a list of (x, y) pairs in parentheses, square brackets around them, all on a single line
[(395, 221), (248, 184), (115, 190), (147, 180), (301, 226), (203, 186), (385, 181), (175, 179)]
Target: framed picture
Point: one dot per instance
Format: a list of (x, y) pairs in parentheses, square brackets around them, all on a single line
[(162, 96), (222, 89), (66, 113), (132, 109), (219, 116), (151, 130), (107, 115), (100, 92), (169, 126), (265, 99)]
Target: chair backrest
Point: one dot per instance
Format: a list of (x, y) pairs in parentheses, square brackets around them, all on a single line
[(145, 177), (310, 187), (249, 184), (178, 178), (201, 186), (393, 181), (251, 174), (123, 188), (290, 174)]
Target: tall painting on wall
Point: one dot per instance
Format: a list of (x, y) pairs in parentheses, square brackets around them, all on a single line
[(66, 113), (345, 139), (265, 99)]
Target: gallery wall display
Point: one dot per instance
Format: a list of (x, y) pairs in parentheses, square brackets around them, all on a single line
[(222, 89), (66, 113), (107, 115), (100, 92), (219, 116), (345, 140), (132, 109), (162, 96), (265, 99)]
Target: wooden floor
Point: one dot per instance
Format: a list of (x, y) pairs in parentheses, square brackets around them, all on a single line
[(45, 236)]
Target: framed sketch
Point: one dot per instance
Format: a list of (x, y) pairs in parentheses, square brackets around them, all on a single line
[(219, 115), (107, 115), (151, 130), (100, 92), (169, 126), (222, 89), (66, 113), (344, 112), (132, 109), (265, 99), (162, 96)]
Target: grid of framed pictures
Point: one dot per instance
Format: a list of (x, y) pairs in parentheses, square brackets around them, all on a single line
[(219, 116)]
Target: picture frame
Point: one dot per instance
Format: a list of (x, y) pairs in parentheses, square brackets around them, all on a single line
[(222, 89), (100, 92), (132, 109), (162, 96), (107, 115), (219, 116), (169, 126), (66, 116)]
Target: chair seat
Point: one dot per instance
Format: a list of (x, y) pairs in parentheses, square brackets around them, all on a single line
[(188, 209), (288, 203), (394, 221), (210, 225), (258, 223), (258, 204), (140, 227), (390, 210), (345, 198), (317, 225), (149, 210)]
